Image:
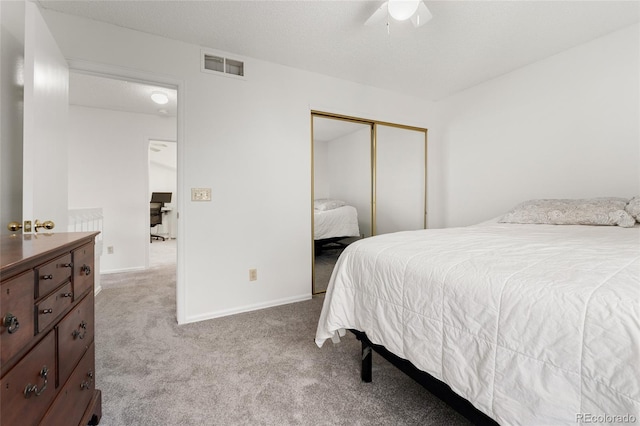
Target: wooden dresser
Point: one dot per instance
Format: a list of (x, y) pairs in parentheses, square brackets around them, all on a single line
[(47, 355)]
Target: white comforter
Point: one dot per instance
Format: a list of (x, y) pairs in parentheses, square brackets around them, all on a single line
[(534, 324), (339, 222)]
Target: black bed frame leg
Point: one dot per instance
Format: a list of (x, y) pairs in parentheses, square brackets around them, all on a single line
[(367, 357)]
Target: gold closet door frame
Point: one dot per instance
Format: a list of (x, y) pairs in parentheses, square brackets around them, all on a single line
[(374, 130)]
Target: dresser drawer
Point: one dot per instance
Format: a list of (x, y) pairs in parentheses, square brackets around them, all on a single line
[(75, 335), (53, 306), (73, 398), (52, 274), (16, 308), (28, 388), (83, 269)]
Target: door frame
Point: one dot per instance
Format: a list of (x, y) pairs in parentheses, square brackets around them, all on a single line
[(115, 72)]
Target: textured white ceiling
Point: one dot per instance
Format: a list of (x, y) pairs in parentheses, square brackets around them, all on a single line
[(466, 42), (118, 95)]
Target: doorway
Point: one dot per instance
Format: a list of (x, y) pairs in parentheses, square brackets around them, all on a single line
[(163, 188), (113, 121), (42, 110)]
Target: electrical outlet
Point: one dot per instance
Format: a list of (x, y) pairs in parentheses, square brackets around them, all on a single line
[(253, 274), (110, 250)]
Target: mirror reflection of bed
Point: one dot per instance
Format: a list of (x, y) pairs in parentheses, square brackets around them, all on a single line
[(335, 227), (342, 191)]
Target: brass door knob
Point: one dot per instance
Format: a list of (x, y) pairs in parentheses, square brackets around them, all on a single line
[(47, 224), (14, 226)]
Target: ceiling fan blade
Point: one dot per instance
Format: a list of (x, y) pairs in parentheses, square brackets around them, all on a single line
[(379, 15), (422, 15)]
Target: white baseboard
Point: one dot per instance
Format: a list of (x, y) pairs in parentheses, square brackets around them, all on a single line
[(97, 290), (117, 271), (247, 308)]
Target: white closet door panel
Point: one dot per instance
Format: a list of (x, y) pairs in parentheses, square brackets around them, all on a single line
[(400, 179), (46, 104)]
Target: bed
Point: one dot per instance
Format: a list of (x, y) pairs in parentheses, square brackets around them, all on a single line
[(531, 323), (334, 220)]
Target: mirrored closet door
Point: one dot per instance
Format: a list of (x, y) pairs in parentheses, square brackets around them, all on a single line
[(400, 196), (341, 190), (369, 178)]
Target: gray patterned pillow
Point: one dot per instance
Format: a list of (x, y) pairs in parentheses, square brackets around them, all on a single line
[(633, 208), (324, 204), (592, 211)]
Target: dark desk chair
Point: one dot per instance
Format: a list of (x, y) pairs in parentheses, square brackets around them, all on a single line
[(155, 210)]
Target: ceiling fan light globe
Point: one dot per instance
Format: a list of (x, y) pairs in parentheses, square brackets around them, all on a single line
[(401, 10)]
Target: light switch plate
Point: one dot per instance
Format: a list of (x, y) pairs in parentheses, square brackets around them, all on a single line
[(200, 194)]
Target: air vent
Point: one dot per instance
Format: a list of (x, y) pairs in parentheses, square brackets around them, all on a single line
[(221, 65), (234, 67)]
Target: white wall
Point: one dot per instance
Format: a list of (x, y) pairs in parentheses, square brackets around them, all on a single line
[(349, 166), (567, 126), (321, 169), (11, 118), (108, 168), (248, 140)]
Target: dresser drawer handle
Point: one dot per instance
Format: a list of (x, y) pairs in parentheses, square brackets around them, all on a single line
[(46, 311), (33, 389), (67, 294), (47, 277), (86, 269), (66, 265), (77, 334), (87, 384), (11, 322)]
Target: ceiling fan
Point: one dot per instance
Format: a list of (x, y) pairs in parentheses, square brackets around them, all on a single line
[(157, 146), (401, 10)]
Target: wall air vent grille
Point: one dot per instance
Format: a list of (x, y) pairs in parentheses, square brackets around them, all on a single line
[(221, 65)]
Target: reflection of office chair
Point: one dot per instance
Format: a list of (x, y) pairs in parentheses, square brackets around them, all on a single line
[(155, 211)]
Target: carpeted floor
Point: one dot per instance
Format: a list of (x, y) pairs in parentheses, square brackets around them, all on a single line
[(325, 260), (256, 368), (324, 264)]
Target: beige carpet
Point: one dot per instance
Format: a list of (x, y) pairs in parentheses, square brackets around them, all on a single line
[(256, 368), (325, 259), (324, 264)]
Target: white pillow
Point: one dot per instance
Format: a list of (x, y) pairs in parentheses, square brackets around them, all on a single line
[(593, 211), (327, 204), (633, 208)]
